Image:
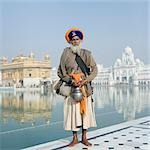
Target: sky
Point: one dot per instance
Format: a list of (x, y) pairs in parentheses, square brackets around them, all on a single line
[(109, 26)]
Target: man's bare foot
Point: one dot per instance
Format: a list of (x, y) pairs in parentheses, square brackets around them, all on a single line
[(86, 143), (74, 142)]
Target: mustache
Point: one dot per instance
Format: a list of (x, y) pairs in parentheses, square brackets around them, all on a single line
[(76, 48)]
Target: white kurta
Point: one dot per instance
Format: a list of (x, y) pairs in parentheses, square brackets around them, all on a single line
[(73, 118)]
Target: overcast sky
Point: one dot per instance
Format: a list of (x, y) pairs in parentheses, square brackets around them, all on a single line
[(39, 26)]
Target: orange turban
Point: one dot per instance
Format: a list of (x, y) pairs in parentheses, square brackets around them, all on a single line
[(73, 32)]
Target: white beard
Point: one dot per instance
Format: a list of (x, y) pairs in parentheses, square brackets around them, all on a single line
[(76, 49)]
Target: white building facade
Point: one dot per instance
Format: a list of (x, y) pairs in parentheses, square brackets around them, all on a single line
[(126, 70), (104, 77)]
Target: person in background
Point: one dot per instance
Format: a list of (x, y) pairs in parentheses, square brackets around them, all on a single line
[(77, 114)]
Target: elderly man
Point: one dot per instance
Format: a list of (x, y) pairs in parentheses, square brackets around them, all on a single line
[(74, 117)]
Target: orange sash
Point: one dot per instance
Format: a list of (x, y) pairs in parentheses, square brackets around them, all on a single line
[(78, 78)]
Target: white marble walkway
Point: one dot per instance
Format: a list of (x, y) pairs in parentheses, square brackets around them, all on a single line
[(131, 135)]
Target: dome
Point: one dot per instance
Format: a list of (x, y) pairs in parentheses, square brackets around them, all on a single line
[(138, 62), (118, 62), (31, 55), (3, 58), (128, 50), (46, 57)]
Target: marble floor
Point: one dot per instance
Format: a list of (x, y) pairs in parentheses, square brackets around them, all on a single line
[(131, 135)]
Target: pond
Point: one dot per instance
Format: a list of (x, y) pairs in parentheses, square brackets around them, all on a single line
[(31, 118)]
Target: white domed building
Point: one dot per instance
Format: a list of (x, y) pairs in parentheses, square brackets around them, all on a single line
[(126, 70)]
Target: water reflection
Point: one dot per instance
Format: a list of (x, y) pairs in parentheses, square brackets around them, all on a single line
[(26, 107), (125, 100), (34, 107)]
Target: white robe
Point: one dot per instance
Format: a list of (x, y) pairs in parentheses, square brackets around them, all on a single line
[(73, 118)]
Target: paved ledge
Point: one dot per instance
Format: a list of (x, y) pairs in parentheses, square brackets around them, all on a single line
[(129, 135)]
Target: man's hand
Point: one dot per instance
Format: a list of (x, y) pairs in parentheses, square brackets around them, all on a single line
[(74, 83), (83, 82)]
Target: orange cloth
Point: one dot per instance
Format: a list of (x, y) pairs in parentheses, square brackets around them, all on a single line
[(78, 78)]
